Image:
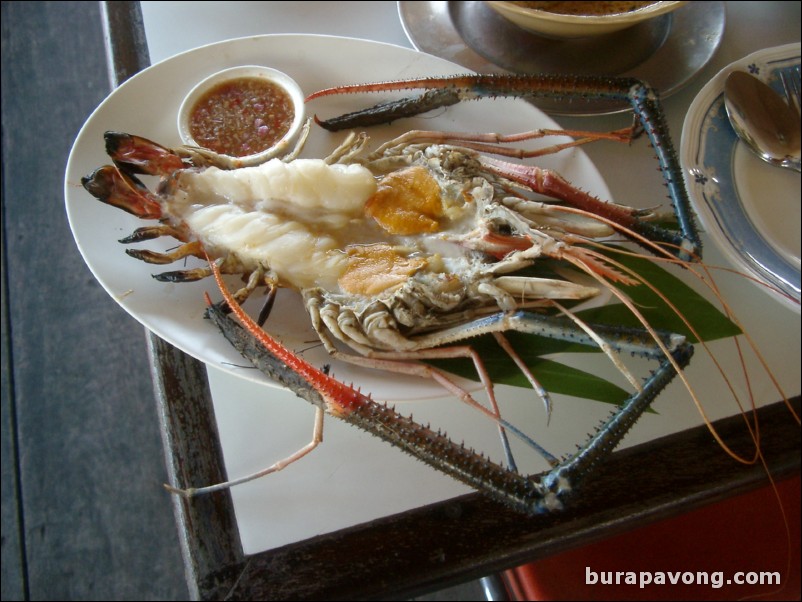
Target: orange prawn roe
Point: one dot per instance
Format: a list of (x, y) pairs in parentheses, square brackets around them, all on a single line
[(373, 269), (241, 117), (407, 202)]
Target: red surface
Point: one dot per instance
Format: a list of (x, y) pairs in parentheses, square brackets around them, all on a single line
[(744, 534)]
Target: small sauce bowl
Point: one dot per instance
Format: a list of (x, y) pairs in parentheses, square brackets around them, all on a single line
[(247, 114)]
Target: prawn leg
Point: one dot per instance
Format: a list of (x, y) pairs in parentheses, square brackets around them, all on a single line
[(358, 409), (529, 494), (644, 100)]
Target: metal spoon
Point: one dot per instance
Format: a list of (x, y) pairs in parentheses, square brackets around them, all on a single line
[(763, 120)]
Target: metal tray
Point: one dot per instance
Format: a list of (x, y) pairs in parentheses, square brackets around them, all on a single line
[(666, 51)]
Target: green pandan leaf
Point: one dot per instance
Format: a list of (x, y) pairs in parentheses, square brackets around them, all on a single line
[(706, 319), (708, 322), (559, 378), (554, 376)]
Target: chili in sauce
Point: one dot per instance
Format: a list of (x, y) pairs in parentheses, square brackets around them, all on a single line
[(241, 117)]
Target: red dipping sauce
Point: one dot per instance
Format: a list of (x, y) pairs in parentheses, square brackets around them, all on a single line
[(241, 116)]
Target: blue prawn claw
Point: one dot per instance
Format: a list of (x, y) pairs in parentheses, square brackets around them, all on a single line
[(530, 495), (448, 90)]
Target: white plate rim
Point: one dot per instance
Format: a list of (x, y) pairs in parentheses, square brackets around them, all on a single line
[(756, 256), (146, 105)]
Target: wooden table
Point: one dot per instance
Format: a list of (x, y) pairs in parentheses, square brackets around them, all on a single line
[(83, 513)]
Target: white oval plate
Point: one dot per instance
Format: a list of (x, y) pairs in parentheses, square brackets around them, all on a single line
[(147, 105), (749, 208)]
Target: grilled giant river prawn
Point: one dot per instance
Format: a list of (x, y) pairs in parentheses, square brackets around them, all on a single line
[(398, 254)]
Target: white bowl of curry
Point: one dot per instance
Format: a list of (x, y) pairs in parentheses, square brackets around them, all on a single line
[(580, 19)]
